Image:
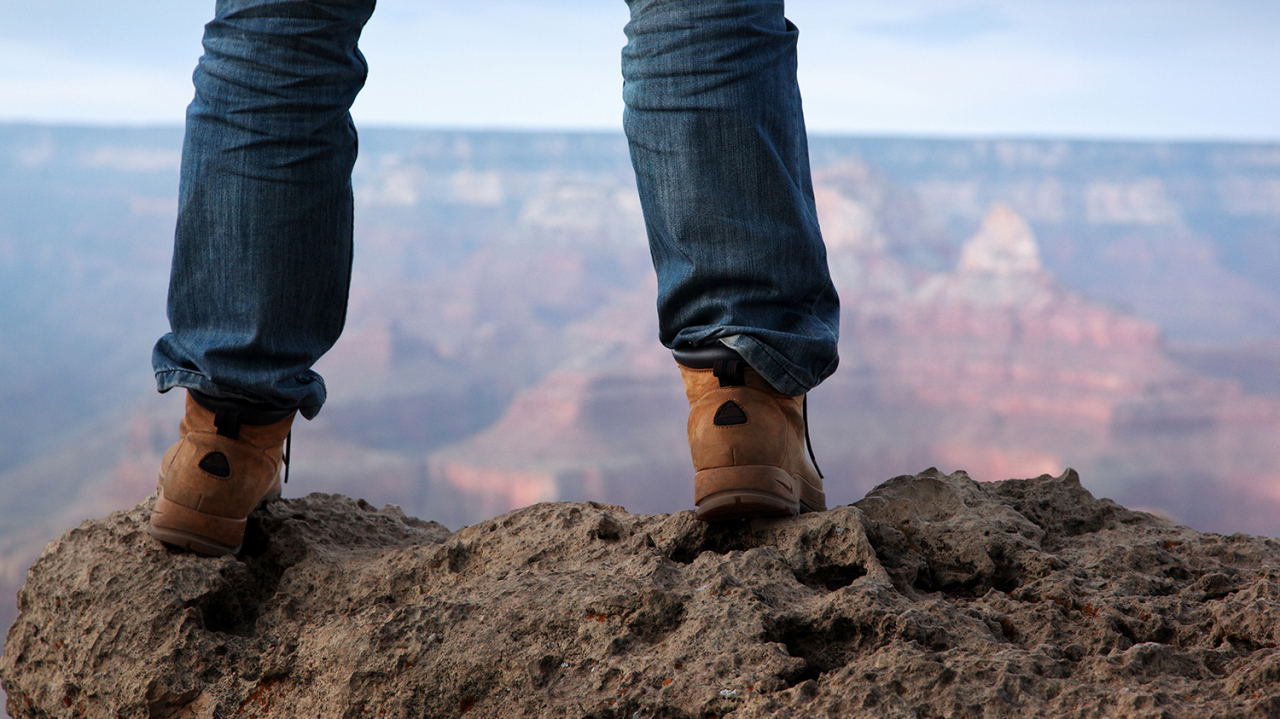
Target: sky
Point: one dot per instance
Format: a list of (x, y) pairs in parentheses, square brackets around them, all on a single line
[(1139, 69)]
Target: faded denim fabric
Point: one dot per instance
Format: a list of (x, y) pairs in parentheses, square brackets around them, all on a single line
[(718, 143), (262, 251), (263, 246)]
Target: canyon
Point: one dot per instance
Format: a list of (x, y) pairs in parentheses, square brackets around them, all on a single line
[(1010, 308)]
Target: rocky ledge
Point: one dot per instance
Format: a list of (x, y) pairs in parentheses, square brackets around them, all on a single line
[(936, 596)]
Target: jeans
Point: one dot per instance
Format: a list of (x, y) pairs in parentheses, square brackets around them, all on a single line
[(263, 246)]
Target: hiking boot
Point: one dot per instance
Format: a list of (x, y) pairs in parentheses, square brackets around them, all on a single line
[(748, 441), (220, 470)]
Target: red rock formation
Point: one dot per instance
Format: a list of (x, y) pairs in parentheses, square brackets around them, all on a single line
[(993, 368)]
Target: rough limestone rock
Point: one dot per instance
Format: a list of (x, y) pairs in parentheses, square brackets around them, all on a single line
[(935, 596)]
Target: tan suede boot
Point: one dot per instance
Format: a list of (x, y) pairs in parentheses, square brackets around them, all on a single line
[(217, 473), (749, 445)]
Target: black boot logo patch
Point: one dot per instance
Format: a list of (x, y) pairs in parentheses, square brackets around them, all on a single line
[(216, 463), (729, 414)]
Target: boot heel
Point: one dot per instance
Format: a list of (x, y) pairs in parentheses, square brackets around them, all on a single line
[(747, 441), (198, 531), (747, 491), (742, 504)]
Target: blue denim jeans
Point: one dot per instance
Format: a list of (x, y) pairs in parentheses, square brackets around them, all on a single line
[(262, 251)]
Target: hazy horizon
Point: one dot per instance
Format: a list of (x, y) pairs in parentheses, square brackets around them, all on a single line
[(813, 134)]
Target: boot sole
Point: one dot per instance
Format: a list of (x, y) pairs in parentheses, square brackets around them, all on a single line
[(201, 532), (753, 491)]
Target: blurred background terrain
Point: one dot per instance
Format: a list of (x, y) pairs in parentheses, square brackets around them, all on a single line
[(1011, 307)]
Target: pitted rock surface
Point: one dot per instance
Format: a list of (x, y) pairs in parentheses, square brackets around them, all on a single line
[(936, 596)]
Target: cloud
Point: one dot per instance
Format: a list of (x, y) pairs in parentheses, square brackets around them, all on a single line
[(944, 26), (1180, 69), (519, 64), (56, 87), (1136, 68)]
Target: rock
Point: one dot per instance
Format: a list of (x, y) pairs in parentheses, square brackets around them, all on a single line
[(1004, 245), (934, 596)]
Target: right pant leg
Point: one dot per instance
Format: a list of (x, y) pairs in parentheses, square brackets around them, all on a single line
[(716, 130), (262, 250)]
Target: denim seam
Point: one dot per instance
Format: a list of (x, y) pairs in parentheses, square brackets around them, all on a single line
[(184, 373), (783, 365), (768, 361), (198, 378)]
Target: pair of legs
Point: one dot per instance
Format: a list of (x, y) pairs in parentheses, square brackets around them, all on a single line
[(262, 256)]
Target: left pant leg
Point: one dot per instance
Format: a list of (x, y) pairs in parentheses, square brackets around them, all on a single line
[(717, 138), (262, 251)]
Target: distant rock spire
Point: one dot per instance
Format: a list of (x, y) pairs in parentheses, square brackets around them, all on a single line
[(1004, 245)]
